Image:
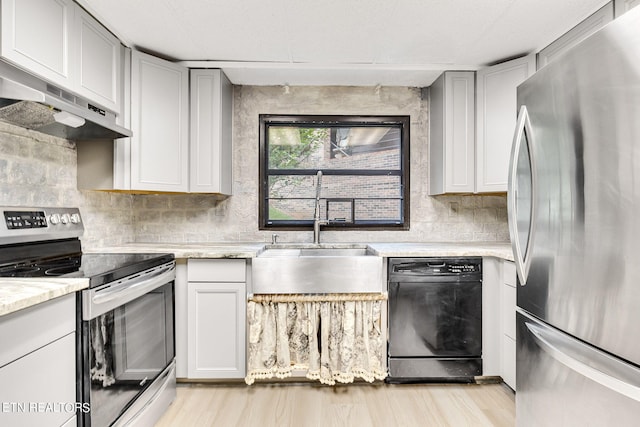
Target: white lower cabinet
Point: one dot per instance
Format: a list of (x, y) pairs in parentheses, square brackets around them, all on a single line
[(491, 335), (216, 318), (508, 328), (499, 319), (38, 369)]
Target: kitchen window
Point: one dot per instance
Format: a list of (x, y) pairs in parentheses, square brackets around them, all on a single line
[(364, 162)]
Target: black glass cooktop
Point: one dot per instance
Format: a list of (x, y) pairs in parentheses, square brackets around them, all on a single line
[(105, 268), (98, 268)]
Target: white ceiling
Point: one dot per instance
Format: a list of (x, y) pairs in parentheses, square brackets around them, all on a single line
[(339, 42)]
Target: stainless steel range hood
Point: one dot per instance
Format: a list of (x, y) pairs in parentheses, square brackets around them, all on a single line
[(30, 102)]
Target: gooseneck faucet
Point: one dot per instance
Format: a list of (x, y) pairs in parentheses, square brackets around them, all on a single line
[(316, 217)]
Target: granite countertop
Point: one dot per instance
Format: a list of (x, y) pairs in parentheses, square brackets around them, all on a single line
[(189, 250), (19, 293), (252, 250), (440, 249)]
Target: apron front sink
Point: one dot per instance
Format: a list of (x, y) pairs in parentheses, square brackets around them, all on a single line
[(311, 269)]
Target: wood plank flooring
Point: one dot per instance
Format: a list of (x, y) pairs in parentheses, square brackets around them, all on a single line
[(384, 405)]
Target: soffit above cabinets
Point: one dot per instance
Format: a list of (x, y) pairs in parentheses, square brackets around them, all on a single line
[(344, 42)]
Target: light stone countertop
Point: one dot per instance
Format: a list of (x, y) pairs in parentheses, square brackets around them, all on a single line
[(19, 293), (252, 250), (189, 250), (442, 249)]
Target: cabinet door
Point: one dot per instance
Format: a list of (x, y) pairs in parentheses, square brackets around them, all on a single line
[(491, 316), (452, 133), (159, 122), (216, 337), (460, 132), (622, 6), (574, 36), (36, 35), (496, 115), (211, 150), (99, 62)]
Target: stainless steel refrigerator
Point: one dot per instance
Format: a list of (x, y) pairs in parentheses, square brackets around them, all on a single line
[(574, 218)]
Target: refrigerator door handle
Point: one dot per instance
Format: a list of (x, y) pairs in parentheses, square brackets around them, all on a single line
[(523, 140), (587, 361)]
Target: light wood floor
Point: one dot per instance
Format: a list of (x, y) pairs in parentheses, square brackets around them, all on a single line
[(359, 405)]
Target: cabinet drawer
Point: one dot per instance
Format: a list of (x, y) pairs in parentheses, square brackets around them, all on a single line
[(36, 326), (509, 273), (216, 270), (509, 311), (44, 377)]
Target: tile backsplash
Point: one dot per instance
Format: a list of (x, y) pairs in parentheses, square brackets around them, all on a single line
[(40, 170)]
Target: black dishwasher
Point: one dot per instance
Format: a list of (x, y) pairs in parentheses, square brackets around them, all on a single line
[(435, 319)]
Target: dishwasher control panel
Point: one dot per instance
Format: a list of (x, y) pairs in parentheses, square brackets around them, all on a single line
[(435, 267)]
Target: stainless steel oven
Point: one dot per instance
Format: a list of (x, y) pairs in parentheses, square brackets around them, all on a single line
[(435, 319), (126, 345), (125, 361)]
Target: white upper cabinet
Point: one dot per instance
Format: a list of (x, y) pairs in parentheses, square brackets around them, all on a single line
[(36, 35), (452, 133), (58, 41), (496, 114), (622, 6), (578, 33), (160, 124), (211, 116), (174, 148), (99, 55)]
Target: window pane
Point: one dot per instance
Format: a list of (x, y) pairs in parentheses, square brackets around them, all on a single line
[(379, 210), (371, 197), (296, 147), (291, 209), (354, 147)]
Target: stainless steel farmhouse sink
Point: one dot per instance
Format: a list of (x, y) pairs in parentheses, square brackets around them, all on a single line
[(303, 269)]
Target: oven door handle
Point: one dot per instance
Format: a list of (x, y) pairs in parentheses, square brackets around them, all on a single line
[(97, 302)]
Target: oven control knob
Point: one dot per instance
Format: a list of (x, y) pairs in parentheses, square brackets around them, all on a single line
[(75, 219), (54, 219), (65, 218)]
